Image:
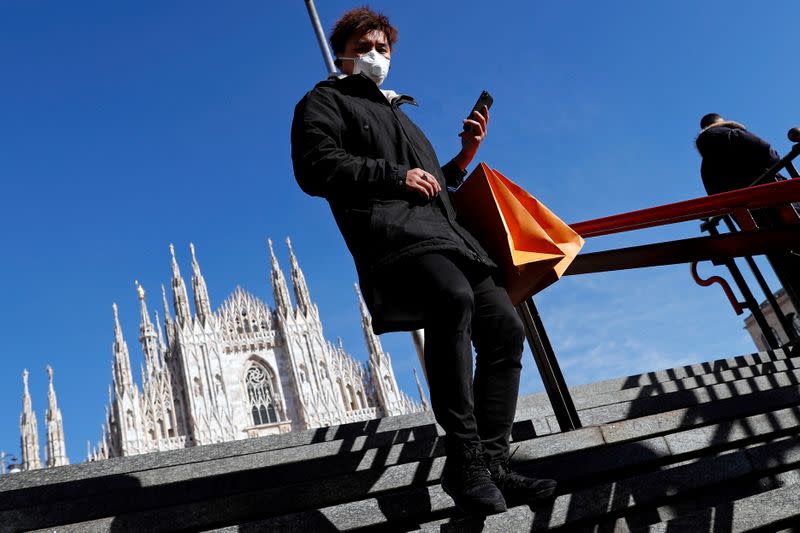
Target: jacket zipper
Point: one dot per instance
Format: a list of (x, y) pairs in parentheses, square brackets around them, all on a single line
[(478, 257)]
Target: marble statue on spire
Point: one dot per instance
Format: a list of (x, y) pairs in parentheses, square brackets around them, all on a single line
[(31, 460), (56, 445)]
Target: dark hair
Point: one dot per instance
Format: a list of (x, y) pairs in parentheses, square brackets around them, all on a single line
[(359, 21), (709, 119)]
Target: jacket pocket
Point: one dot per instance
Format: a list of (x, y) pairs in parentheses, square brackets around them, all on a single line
[(388, 222)]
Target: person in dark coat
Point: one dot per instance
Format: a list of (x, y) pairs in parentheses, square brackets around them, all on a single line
[(353, 145), (734, 158)]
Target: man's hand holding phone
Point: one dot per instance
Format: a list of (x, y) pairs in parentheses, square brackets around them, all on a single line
[(475, 128)]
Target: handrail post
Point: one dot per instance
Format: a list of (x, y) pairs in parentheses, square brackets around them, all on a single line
[(553, 379), (711, 227), (794, 136), (791, 334)]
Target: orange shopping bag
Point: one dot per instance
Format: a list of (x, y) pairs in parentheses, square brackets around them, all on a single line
[(532, 246)]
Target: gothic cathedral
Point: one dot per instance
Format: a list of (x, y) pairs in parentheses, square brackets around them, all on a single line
[(241, 371)]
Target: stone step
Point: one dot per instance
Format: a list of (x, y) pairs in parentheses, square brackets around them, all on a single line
[(354, 448), (56, 483), (534, 417), (766, 511), (579, 458), (368, 433), (305, 463), (676, 490), (652, 380), (536, 406), (698, 503), (528, 426), (404, 509), (686, 398)]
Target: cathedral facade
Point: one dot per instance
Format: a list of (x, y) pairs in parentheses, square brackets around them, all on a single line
[(242, 370)]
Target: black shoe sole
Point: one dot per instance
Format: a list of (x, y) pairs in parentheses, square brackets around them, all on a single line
[(473, 507), (540, 495)]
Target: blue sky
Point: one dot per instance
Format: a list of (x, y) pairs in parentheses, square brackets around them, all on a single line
[(126, 126)]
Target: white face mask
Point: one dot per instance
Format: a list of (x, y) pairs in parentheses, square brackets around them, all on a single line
[(373, 65)]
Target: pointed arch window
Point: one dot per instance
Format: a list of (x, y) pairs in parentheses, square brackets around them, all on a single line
[(260, 395)]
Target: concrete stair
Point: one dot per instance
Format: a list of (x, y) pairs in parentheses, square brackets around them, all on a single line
[(707, 447)]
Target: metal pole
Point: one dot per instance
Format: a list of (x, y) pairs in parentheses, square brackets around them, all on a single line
[(749, 299), (323, 44), (787, 326), (543, 354), (418, 336)]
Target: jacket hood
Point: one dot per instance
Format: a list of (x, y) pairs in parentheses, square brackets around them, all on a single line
[(360, 85), (706, 135)]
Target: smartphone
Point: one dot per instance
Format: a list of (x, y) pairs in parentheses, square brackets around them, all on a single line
[(485, 99)]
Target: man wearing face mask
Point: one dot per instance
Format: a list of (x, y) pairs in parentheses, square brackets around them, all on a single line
[(418, 268)]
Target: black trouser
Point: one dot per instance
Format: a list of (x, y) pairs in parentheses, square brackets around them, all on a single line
[(462, 303)]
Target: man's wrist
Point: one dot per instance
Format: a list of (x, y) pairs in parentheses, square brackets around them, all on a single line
[(462, 160), (399, 182)]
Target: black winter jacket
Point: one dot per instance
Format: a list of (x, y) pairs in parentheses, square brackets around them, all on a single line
[(353, 147), (732, 157)]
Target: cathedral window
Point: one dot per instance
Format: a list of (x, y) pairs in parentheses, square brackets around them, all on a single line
[(171, 431), (352, 398), (260, 395)]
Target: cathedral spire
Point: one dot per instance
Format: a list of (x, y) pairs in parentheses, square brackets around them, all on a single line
[(301, 294), (281, 293), (179, 295), (147, 333), (162, 348), (29, 431), (123, 377), (380, 366), (105, 442), (167, 317), (374, 346), (202, 304), (56, 447)]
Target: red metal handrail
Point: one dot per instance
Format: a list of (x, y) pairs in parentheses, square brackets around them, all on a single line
[(767, 195)]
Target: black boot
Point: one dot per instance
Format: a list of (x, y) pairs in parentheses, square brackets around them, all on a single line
[(466, 479), (519, 489)]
